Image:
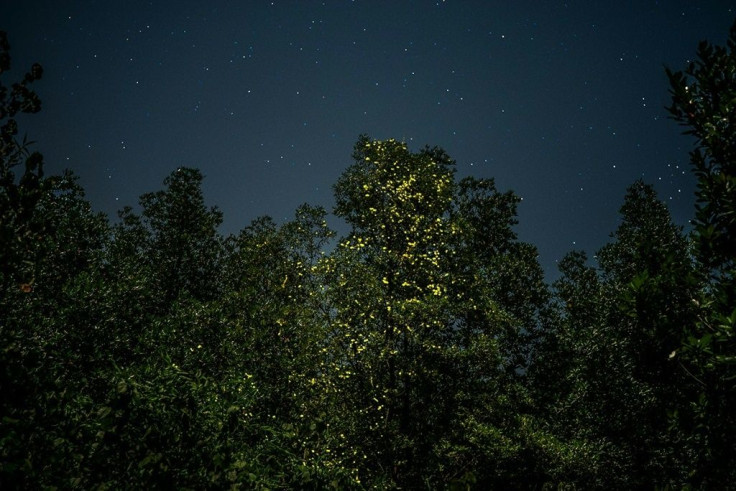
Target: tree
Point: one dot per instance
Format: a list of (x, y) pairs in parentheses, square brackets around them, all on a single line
[(18, 223), (616, 327), (386, 287), (176, 239), (572, 374), (648, 266), (275, 314), (51, 243), (21, 354), (428, 314), (648, 272), (704, 101)]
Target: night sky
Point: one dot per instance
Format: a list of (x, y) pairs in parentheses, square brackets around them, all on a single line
[(562, 102)]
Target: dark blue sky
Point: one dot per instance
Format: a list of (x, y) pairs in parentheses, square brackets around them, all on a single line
[(562, 102)]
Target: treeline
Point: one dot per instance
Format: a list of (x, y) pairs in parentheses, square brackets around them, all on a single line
[(422, 350)]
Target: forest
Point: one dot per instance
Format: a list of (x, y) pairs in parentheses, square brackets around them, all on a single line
[(422, 350)]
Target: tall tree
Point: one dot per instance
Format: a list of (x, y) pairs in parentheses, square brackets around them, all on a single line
[(176, 239), (605, 368), (50, 240), (648, 270), (428, 296), (704, 101), (22, 376), (19, 225)]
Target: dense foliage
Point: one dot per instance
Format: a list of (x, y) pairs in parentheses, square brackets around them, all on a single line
[(421, 350)]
